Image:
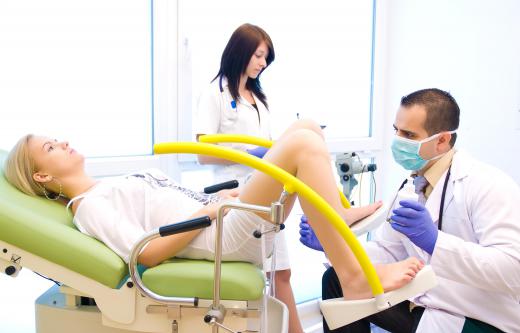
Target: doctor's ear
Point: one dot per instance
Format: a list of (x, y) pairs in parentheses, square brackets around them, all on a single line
[(444, 141)]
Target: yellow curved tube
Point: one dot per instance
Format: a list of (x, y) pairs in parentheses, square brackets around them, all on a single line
[(344, 200), (241, 138), (291, 184)]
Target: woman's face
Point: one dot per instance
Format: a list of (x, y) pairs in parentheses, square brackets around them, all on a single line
[(258, 61), (53, 157)]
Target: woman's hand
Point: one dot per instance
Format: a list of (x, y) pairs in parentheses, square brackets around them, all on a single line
[(212, 209), (229, 194)]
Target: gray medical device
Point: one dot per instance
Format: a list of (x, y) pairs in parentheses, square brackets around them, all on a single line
[(349, 164)]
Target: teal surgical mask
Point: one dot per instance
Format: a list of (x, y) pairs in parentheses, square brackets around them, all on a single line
[(406, 152)]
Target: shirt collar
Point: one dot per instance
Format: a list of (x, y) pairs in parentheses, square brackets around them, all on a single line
[(435, 172)]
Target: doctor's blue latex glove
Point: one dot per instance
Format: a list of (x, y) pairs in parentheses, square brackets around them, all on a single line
[(258, 151), (307, 235), (414, 221)]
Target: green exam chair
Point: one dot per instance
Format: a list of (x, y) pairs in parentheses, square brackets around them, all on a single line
[(95, 293)]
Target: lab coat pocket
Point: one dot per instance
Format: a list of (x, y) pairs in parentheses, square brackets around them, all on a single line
[(230, 117), (460, 227), (456, 223)]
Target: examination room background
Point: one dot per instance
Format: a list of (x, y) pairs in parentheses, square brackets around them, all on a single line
[(470, 48)]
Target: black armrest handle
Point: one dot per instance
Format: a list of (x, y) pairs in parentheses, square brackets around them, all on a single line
[(222, 186), (184, 226)]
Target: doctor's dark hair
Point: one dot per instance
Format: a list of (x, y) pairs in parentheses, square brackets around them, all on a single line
[(442, 111), (236, 56)]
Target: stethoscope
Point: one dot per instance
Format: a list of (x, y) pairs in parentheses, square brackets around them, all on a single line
[(443, 197), (233, 103)]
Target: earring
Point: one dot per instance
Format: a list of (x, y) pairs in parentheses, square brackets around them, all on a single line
[(51, 195)]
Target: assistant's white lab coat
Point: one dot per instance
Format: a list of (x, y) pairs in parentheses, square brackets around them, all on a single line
[(477, 254), (216, 116)]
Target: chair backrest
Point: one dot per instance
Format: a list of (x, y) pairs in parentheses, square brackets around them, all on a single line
[(45, 228)]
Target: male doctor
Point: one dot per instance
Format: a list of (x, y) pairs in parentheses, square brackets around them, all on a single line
[(466, 225)]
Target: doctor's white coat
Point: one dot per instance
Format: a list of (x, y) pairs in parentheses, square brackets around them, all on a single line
[(477, 254)]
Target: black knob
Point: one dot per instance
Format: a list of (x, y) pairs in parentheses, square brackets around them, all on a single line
[(344, 167), (10, 270), (257, 234), (207, 319), (130, 284), (372, 167)]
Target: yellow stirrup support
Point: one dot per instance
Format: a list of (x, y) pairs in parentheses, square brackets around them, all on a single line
[(344, 200), (236, 138), (291, 185), (253, 140)]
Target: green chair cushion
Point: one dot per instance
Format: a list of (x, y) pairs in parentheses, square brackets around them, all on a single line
[(45, 228), (194, 278)]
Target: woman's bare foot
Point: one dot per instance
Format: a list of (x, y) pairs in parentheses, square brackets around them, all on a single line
[(392, 276), (354, 214)]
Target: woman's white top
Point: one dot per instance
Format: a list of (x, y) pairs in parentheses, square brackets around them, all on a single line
[(119, 210), (215, 115)]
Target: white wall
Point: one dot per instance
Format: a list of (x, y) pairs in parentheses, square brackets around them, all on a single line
[(470, 48)]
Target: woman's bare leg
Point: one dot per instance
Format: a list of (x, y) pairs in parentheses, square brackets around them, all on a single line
[(285, 294), (298, 125), (302, 152)]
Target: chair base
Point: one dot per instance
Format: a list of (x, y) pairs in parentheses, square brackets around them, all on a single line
[(339, 312), (56, 314)]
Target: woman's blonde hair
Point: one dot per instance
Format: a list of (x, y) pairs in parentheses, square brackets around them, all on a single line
[(19, 168)]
